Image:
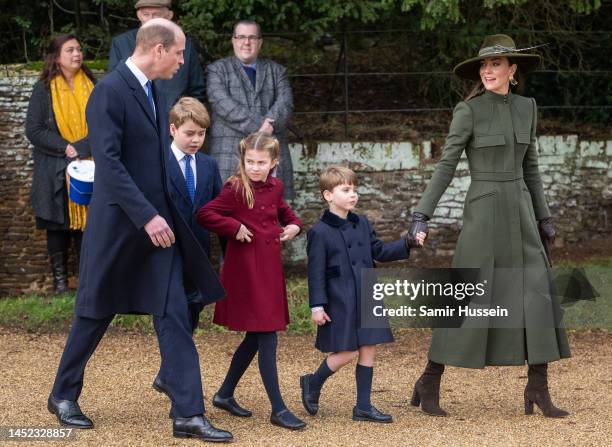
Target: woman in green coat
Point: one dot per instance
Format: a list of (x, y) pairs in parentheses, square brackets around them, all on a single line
[(506, 228)]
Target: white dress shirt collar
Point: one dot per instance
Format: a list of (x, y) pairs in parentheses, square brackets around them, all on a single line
[(142, 78)]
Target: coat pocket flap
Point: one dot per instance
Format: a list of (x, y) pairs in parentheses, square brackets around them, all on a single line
[(489, 140), (332, 271), (523, 137)]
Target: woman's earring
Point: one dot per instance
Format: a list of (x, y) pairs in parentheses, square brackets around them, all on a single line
[(513, 81)]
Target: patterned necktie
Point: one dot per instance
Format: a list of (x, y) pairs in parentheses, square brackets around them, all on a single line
[(149, 85), (189, 180)]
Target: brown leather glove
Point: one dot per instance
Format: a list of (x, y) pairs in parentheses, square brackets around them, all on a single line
[(547, 235), (419, 224)]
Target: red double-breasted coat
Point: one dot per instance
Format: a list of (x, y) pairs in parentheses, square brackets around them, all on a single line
[(252, 272)]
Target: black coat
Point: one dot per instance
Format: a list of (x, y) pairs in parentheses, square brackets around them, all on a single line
[(49, 179), (188, 81), (121, 270), (337, 251)]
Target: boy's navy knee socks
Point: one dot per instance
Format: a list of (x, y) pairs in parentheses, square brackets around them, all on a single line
[(319, 377), (363, 377)]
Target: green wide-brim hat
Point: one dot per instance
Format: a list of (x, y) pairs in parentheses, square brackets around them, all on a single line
[(498, 45)]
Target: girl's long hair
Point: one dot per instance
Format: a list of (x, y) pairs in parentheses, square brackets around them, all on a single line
[(260, 142), (51, 67), (479, 88)]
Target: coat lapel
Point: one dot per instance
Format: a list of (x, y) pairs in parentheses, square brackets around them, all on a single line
[(261, 74), (176, 177), (138, 92), (201, 179), (242, 74)]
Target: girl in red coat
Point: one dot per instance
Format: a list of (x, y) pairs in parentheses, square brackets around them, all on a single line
[(251, 214)]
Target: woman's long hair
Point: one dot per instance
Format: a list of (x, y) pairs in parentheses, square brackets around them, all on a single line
[(479, 88), (51, 67), (260, 142)]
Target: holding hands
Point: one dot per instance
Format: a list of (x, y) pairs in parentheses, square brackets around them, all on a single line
[(70, 151), (418, 231)]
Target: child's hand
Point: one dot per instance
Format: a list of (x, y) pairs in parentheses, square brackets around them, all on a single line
[(320, 317), (244, 234), (289, 232), (420, 237)]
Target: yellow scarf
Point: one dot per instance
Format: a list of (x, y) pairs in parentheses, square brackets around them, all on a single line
[(69, 110)]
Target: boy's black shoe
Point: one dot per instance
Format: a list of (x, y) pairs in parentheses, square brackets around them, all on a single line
[(310, 399), (371, 416), (230, 404), (287, 419)]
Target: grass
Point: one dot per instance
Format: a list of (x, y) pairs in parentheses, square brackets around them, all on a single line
[(36, 313)]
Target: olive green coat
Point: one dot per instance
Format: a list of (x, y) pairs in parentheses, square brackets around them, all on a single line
[(499, 234)]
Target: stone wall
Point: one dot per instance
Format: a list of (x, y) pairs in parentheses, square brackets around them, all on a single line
[(577, 176)]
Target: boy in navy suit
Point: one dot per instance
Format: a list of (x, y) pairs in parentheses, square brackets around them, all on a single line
[(192, 184), (339, 246), (194, 181)]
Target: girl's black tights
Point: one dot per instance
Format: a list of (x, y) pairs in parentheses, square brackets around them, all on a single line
[(265, 343)]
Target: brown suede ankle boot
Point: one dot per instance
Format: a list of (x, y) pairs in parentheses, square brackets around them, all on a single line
[(427, 390), (536, 392)]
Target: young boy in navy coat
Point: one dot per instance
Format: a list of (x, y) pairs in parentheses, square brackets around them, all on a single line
[(194, 181), (339, 246)]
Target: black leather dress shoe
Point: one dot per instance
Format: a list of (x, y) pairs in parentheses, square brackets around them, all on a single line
[(287, 419), (371, 416), (230, 404), (160, 387), (199, 427), (310, 399), (68, 413)]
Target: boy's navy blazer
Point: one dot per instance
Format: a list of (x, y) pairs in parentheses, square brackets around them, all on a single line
[(121, 271), (208, 187)]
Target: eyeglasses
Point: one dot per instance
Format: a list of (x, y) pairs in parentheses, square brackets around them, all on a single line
[(241, 38)]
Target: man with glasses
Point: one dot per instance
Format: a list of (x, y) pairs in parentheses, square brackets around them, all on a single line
[(247, 94), (188, 81)]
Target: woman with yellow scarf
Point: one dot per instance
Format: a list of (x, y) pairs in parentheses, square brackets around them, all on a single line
[(56, 127)]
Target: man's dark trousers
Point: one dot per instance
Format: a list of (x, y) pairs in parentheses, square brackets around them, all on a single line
[(179, 355)]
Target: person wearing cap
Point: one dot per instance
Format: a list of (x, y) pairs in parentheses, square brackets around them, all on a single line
[(507, 231), (248, 94), (188, 81)]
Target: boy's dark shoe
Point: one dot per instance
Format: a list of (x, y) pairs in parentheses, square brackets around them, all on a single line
[(371, 416), (310, 399)]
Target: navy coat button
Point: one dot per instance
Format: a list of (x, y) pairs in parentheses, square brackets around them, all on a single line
[(354, 226), (349, 246)]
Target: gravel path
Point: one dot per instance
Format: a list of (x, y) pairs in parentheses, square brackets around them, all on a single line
[(485, 406)]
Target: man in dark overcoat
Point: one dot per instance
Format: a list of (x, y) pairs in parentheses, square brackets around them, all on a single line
[(188, 81), (130, 262), (247, 94)]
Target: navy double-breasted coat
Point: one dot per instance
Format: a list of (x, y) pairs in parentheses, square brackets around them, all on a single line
[(338, 249)]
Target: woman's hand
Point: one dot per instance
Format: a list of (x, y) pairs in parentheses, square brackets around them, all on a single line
[(289, 232), (71, 152), (244, 234), (320, 317)]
